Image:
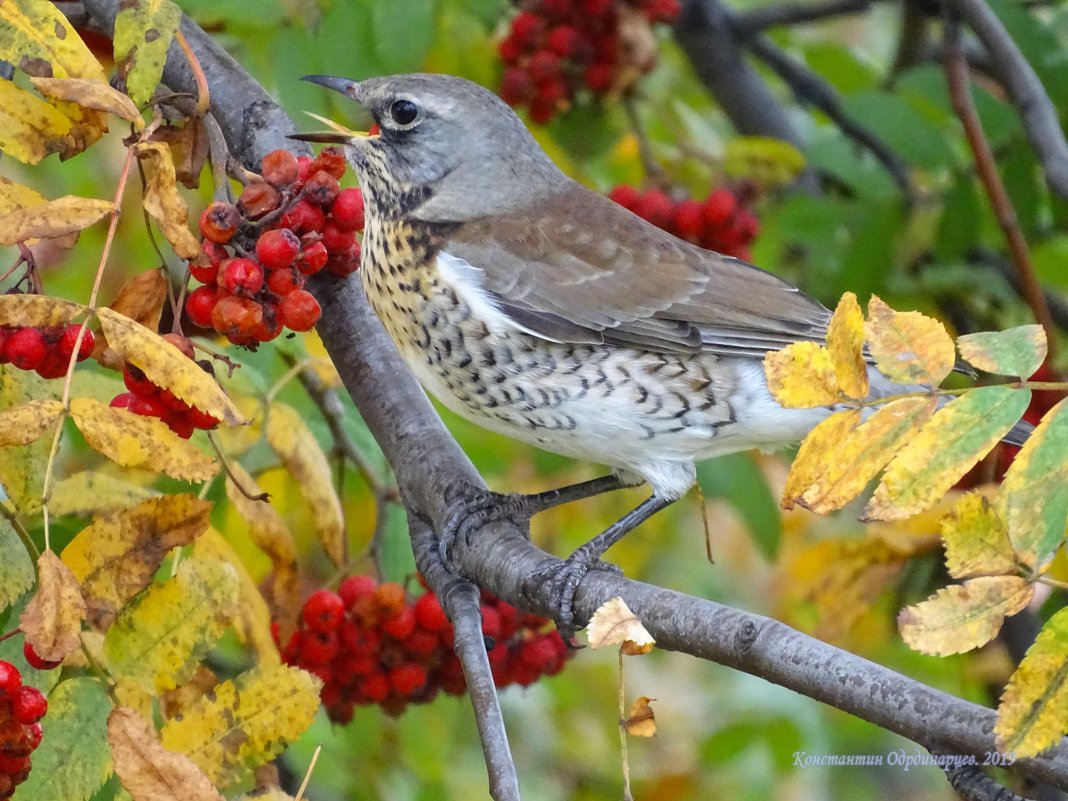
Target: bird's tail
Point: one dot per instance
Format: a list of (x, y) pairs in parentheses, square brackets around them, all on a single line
[(1019, 433)]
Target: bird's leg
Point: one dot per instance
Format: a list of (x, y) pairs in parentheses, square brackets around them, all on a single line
[(467, 516), (566, 577)]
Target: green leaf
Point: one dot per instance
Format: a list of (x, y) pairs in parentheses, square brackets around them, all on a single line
[(903, 128), (73, 759), (1016, 351), (738, 480), (16, 567), (402, 33), (143, 33), (976, 541), (22, 466), (956, 229)]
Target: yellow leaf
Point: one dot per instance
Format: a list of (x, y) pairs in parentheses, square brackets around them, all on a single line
[(24, 424), (961, 617), (92, 492), (321, 363), (175, 702), (845, 344), (147, 770), (296, 446), (92, 95), (908, 347), (142, 298), (17, 196), (1034, 706), (30, 128), (840, 470), (1018, 351), (810, 464), (54, 218), (16, 575), (158, 640), (252, 618), (641, 722), (41, 41), (801, 376), (765, 160), (22, 467), (53, 618), (977, 543), (245, 722), (143, 33), (614, 624), (951, 442), (116, 556), (166, 366), (271, 535), (37, 310), (163, 200)]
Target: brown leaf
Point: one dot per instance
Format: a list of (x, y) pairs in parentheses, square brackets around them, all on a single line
[(189, 147), (54, 218), (641, 722), (613, 623), (53, 618), (162, 199), (147, 770), (141, 299), (90, 94)]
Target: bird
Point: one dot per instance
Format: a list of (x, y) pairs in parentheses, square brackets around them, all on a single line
[(541, 310)]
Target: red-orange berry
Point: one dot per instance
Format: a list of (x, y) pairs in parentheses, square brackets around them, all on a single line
[(26, 348), (353, 588), (279, 168), (37, 662), (406, 679), (347, 210), (219, 222), (321, 189), (330, 159), (323, 611), (313, 258), (299, 310), (199, 305), (400, 625), (28, 705), (257, 199), (284, 281), (428, 613), (277, 248), (240, 276), (236, 317)]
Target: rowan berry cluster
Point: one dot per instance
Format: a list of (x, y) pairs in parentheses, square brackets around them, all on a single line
[(371, 643), (557, 48), (148, 400), (21, 709), (720, 222), (257, 255), (46, 350)]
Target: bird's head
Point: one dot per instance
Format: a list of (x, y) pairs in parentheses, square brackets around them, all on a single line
[(451, 148)]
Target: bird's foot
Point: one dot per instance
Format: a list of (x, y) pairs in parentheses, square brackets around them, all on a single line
[(466, 516), (564, 578)]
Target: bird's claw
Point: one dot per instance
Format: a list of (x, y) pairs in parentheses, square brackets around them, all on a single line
[(564, 578), (466, 516)]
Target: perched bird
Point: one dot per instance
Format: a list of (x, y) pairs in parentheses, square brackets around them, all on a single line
[(540, 310)]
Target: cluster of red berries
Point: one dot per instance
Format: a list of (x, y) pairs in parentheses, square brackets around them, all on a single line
[(557, 48), (46, 350), (721, 222), (21, 709), (372, 644), (284, 228), (148, 400)]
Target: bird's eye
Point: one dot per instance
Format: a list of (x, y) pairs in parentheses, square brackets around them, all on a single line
[(403, 111)]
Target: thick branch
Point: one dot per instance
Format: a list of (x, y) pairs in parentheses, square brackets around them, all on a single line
[(746, 23)]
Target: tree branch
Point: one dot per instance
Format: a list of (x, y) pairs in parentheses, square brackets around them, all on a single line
[(747, 23)]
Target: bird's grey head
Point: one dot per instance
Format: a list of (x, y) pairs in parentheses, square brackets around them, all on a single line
[(453, 149)]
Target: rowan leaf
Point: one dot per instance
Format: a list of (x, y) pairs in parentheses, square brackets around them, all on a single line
[(1034, 707), (845, 344), (147, 770), (166, 366), (142, 298), (641, 722), (296, 446), (908, 347), (162, 199), (948, 445), (245, 721), (22, 467), (92, 95), (131, 440), (17, 196), (116, 556), (858, 455), (802, 376), (24, 424), (37, 310), (53, 619), (977, 543), (143, 33), (158, 640), (1017, 351), (64, 215), (272, 536), (16, 575), (961, 617), (73, 760), (614, 624), (39, 40), (810, 464), (1034, 493), (30, 128), (252, 619), (93, 492)]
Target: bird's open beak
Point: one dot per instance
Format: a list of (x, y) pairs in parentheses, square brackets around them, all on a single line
[(340, 134)]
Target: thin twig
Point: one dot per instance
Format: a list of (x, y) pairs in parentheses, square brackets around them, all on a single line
[(203, 92), (653, 171), (747, 23), (957, 78), (262, 496), (627, 795), (20, 530)]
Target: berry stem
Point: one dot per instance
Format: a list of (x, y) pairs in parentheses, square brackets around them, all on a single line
[(263, 496), (623, 732), (203, 92)]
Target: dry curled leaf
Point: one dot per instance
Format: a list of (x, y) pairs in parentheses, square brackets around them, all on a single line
[(53, 618), (64, 215), (90, 94), (641, 722), (613, 623), (37, 310), (163, 200)]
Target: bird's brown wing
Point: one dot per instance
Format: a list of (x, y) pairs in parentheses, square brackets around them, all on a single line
[(587, 270)]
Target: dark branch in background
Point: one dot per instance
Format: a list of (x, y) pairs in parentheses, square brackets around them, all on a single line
[(746, 23), (1037, 112), (960, 95), (433, 474)]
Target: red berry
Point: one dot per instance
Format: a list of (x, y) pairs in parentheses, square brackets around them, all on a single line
[(271, 324), (538, 654), (183, 343), (199, 305), (321, 189), (544, 67), (202, 419), (428, 613), (279, 168), (240, 276), (284, 281), (516, 86), (422, 643), (236, 317), (303, 217), (180, 423), (656, 207), (600, 76), (527, 28), (563, 40), (33, 734), (719, 207), (318, 647), (375, 687), (510, 50), (10, 678), (304, 168), (406, 679), (313, 259), (219, 222), (626, 196), (542, 111), (598, 8), (323, 611), (347, 210), (147, 407), (277, 248), (26, 348), (401, 625), (491, 622), (687, 220), (257, 199), (122, 401), (28, 705), (337, 239), (52, 365), (69, 337), (299, 310), (136, 381), (37, 662), (356, 587), (346, 263), (330, 159)]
